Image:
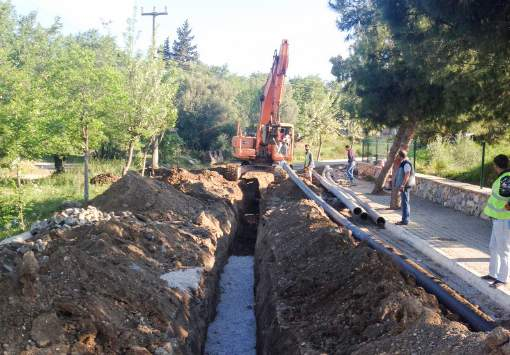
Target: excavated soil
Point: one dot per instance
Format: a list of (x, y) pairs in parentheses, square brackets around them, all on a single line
[(97, 288), (107, 178), (320, 292)]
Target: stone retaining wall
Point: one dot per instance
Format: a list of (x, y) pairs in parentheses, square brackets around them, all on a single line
[(467, 198)]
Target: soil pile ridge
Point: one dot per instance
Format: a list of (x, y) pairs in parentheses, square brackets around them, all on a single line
[(319, 291), (98, 288)]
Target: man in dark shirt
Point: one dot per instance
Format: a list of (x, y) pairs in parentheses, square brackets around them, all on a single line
[(351, 163)]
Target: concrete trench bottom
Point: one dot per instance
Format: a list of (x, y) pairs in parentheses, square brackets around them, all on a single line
[(233, 331)]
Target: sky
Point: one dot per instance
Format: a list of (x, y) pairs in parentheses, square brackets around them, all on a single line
[(242, 34)]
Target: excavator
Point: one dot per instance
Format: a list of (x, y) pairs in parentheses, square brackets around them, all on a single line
[(274, 140)]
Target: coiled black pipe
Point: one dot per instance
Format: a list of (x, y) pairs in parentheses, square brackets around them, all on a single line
[(476, 322)]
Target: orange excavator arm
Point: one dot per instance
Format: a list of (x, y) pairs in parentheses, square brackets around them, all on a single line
[(273, 90)]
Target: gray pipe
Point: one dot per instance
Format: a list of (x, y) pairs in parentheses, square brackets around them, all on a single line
[(345, 199), (476, 322), (373, 214)]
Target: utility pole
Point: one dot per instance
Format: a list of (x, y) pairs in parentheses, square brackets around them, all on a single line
[(158, 137), (154, 14)]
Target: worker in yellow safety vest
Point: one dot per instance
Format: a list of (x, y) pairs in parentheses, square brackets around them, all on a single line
[(498, 209)]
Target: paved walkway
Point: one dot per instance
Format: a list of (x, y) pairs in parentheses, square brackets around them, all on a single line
[(453, 240)]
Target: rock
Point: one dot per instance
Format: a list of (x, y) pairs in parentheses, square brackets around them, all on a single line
[(497, 337), (149, 236), (71, 221), (88, 332), (80, 349), (38, 226), (166, 349), (23, 249), (29, 266), (59, 219), (505, 349), (138, 350), (46, 329), (40, 246)]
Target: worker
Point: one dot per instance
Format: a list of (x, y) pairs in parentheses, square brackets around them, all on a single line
[(351, 163), (309, 164), (285, 144), (404, 180), (498, 210)]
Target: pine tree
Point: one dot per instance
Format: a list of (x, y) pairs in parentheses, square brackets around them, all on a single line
[(167, 54), (184, 51)]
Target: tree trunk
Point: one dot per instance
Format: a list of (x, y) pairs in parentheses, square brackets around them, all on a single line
[(395, 192), (144, 159), (319, 149), (131, 148), (404, 135), (86, 164), (155, 151), (59, 164), (20, 202)]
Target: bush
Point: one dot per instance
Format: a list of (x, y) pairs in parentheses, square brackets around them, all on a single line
[(461, 160), (440, 155), (466, 153)]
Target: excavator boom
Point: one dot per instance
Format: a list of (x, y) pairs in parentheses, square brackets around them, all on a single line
[(273, 90)]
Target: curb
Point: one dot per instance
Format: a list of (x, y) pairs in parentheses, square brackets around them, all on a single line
[(473, 278)]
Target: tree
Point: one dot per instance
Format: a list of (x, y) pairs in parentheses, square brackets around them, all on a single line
[(24, 47), (147, 108), (394, 82), (184, 51), (167, 53), (83, 90), (319, 119)]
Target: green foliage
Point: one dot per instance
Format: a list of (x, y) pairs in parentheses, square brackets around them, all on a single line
[(459, 159), (438, 63), (184, 51), (171, 148)]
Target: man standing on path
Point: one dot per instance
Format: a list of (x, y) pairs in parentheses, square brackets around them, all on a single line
[(395, 193), (404, 181), (498, 210), (309, 164), (351, 163)]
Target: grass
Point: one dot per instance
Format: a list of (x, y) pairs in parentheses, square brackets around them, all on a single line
[(43, 197), (459, 161), (332, 148)]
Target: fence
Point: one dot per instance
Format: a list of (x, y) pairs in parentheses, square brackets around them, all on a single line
[(374, 149)]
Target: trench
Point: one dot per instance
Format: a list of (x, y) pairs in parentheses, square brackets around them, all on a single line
[(233, 330)]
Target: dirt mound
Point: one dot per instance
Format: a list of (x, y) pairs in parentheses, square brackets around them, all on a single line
[(101, 179), (203, 184), (146, 195), (321, 292), (117, 286)]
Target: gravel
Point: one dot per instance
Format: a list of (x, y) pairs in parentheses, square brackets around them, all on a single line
[(234, 329)]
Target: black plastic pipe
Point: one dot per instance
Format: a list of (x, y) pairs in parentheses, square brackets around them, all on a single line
[(476, 322)]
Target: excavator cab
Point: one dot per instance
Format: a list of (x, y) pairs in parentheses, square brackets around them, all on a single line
[(276, 144)]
